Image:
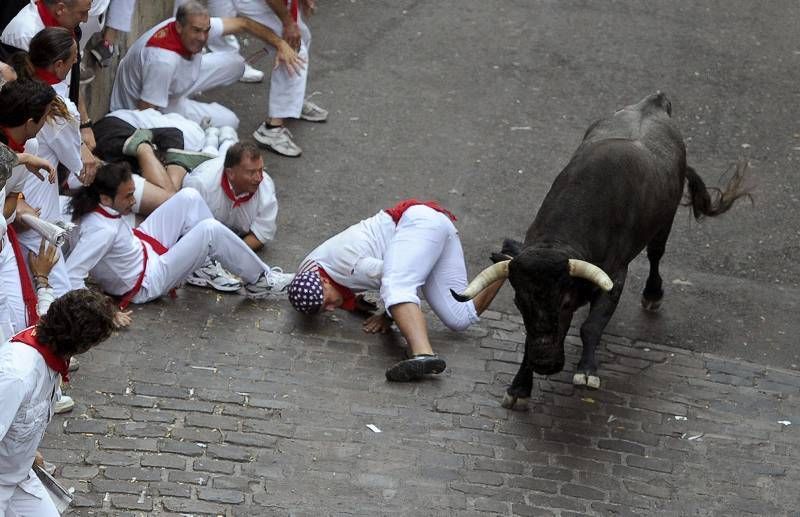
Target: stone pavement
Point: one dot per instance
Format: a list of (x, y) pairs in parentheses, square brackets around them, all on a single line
[(217, 405)]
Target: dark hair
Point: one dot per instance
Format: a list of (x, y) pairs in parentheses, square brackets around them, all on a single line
[(106, 182), (238, 151), (190, 8), (48, 46), (24, 99), (75, 322)]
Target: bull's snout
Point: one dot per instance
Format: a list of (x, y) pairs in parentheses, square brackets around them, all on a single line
[(548, 368), (546, 358)]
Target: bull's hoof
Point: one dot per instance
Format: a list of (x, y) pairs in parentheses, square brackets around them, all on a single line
[(590, 381), (651, 305), (514, 402)]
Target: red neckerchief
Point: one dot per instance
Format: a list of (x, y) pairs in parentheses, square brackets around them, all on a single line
[(13, 144), (47, 76), (397, 211), (228, 189), (167, 37), (349, 303), (105, 213), (293, 8), (47, 17), (28, 292), (54, 362)]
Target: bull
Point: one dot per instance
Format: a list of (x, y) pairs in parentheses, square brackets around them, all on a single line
[(617, 195)]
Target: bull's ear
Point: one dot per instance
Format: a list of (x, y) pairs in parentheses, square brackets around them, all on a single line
[(487, 276), (590, 272)]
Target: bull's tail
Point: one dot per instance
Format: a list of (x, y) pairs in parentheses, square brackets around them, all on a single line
[(713, 201)]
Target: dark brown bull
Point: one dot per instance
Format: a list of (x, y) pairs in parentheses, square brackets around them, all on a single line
[(617, 195)]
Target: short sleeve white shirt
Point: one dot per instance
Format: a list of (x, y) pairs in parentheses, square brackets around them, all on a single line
[(256, 215), (156, 75)]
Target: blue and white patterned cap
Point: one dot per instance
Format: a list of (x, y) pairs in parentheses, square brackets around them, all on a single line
[(305, 292)]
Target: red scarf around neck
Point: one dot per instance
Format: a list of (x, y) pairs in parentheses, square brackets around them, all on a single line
[(47, 17), (228, 189), (105, 213), (168, 38), (13, 144), (47, 76), (349, 299), (54, 362)]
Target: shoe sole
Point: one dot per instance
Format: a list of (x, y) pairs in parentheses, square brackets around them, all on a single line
[(406, 371), (251, 81), (314, 119), (198, 282)]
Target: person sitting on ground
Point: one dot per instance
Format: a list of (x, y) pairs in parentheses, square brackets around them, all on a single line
[(176, 239), (166, 66), (32, 363), (55, 13), (241, 196), (397, 251)]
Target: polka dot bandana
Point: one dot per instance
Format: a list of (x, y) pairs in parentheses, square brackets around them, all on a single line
[(305, 292)]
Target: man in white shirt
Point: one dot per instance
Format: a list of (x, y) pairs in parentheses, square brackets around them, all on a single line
[(142, 264), (32, 364), (165, 66), (410, 247)]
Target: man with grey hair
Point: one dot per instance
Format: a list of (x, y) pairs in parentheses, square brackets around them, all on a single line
[(170, 54)]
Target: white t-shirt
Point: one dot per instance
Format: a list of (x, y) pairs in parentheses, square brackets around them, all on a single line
[(354, 257), (256, 215), (19, 175), (23, 27), (155, 75), (59, 142)]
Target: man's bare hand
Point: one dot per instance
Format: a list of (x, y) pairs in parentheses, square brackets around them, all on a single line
[(288, 57), (42, 263), (122, 319), (291, 34), (377, 324), (35, 165), (39, 459)]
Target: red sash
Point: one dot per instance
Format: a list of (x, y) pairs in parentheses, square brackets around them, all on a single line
[(293, 8), (349, 302), (28, 292), (397, 211), (228, 189), (167, 37), (54, 362), (143, 237), (47, 76)]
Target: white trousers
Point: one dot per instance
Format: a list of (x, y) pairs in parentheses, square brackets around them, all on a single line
[(120, 14), (12, 308), (186, 226), (286, 93), (217, 69), (15, 502), (426, 252)]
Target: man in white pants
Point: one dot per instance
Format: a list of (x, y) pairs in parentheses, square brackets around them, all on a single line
[(143, 264), (165, 66), (119, 16), (397, 251), (32, 364), (287, 89)]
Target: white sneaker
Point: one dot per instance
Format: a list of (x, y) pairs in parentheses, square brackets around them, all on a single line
[(64, 404), (313, 113), (74, 364), (211, 274), (277, 139), (251, 75), (274, 282)]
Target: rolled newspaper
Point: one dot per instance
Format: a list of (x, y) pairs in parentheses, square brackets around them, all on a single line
[(57, 234)]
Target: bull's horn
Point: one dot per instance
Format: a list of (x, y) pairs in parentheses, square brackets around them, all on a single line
[(479, 283), (590, 272)]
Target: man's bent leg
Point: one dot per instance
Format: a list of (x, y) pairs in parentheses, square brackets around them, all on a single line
[(175, 218)]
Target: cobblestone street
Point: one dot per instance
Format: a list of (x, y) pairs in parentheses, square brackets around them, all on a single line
[(217, 405)]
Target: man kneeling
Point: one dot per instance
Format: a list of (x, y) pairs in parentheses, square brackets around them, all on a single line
[(32, 364), (400, 250), (142, 264)]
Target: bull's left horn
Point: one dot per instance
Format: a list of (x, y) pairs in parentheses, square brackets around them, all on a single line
[(479, 283), (590, 272)]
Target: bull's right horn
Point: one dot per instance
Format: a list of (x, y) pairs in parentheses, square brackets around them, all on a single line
[(590, 272), (479, 283)]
